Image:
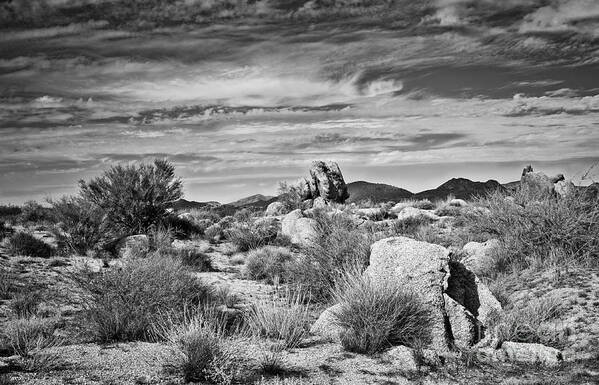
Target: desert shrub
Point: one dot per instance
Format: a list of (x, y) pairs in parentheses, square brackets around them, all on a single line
[(25, 336), (205, 215), (8, 212), (126, 304), (207, 354), (24, 304), (4, 229), (410, 225), (33, 212), (532, 323), (375, 315), (134, 198), (538, 230), (251, 235), (160, 239), (448, 211), (214, 233), (182, 228), (22, 243), (80, 223), (286, 319), (271, 361), (243, 215), (269, 263), (423, 204), (338, 243), (195, 259), (291, 196)]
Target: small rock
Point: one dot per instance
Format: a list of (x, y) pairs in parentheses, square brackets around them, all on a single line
[(403, 358), (411, 212), (274, 209), (325, 326), (458, 203), (300, 230), (480, 257), (531, 353)]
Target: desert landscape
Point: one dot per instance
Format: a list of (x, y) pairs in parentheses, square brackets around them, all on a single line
[(477, 283), (290, 192)]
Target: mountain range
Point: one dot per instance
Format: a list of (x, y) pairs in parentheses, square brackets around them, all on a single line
[(360, 191)]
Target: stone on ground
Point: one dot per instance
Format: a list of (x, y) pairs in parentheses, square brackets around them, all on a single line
[(531, 353)]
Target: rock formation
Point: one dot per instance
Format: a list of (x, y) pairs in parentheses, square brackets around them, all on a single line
[(325, 181), (539, 182), (461, 306)]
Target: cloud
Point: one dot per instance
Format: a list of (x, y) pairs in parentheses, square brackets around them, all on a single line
[(564, 15)]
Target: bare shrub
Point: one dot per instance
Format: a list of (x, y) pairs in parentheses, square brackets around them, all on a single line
[(125, 304), (291, 196), (410, 225), (285, 319), (24, 304), (539, 230), (375, 315), (8, 283), (21, 243), (269, 263), (251, 235), (80, 224)]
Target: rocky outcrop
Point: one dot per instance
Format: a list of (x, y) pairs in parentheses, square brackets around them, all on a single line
[(299, 229), (461, 307), (325, 181), (531, 354), (539, 183), (422, 267), (480, 257)]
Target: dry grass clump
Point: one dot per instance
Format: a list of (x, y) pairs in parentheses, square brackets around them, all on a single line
[(285, 319), (206, 349), (338, 243), (8, 283), (532, 324), (539, 230), (25, 303), (423, 204), (26, 244), (249, 235), (26, 336), (375, 315), (125, 304), (269, 263), (411, 225)]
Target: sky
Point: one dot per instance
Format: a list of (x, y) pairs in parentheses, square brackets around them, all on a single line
[(244, 95)]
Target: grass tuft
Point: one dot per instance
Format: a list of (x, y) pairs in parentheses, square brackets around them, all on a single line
[(26, 244)]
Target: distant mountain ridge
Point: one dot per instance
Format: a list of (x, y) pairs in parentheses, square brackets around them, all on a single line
[(360, 191), (376, 192)]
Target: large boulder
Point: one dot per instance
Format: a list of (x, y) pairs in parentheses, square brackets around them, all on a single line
[(422, 267), (531, 354), (464, 325), (326, 326), (480, 256), (326, 181), (274, 209), (299, 229)]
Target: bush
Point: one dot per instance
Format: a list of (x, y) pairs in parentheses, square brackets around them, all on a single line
[(286, 320), (25, 336), (182, 228), (214, 233), (195, 259), (80, 223), (4, 230), (410, 226), (291, 196), (35, 213), (338, 243), (126, 304), (251, 235), (376, 315), (539, 230), (26, 244), (207, 354), (134, 198), (8, 212), (269, 263), (423, 204)]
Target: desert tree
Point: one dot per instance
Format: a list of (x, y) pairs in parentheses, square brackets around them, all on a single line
[(134, 198)]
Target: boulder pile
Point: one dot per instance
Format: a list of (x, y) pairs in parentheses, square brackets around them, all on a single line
[(325, 182), (539, 182)]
